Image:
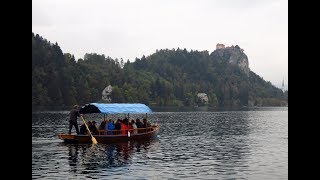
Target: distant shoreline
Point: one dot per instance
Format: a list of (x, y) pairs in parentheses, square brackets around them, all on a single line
[(166, 108)]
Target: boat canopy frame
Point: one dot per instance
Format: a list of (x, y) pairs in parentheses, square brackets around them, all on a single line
[(115, 108)]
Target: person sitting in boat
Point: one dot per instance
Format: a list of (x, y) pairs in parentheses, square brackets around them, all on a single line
[(102, 126), (89, 123), (83, 129), (124, 128), (146, 124), (125, 121), (117, 126), (130, 127), (93, 128), (110, 127), (139, 123), (134, 127)]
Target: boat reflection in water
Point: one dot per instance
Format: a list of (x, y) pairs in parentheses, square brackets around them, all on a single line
[(91, 159)]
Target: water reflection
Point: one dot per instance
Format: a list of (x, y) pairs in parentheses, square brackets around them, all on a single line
[(73, 157), (89, 158), (110, 153)]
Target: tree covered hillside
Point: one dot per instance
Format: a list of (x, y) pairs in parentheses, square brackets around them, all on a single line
[(167, 77)]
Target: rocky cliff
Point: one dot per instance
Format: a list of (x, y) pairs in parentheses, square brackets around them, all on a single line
[(235, 56)]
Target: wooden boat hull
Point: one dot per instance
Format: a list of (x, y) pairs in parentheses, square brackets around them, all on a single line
[(70, 138)]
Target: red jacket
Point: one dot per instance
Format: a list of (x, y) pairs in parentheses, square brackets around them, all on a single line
[(124, 128)]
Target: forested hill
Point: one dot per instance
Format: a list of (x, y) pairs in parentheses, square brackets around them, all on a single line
[(165, 78)]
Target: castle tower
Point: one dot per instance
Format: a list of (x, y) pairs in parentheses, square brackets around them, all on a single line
[(283, 85), (220, 46)]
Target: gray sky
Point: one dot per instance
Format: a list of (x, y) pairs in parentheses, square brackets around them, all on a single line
[(128, 29)]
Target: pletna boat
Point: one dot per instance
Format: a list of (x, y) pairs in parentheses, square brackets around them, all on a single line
[(111, 136)]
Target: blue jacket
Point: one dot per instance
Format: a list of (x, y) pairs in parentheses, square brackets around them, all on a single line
[(110, 126)]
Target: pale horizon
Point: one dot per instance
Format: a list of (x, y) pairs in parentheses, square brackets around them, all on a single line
[(129, 30)]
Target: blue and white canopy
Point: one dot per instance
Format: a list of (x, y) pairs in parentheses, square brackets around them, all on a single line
[(114, 108)]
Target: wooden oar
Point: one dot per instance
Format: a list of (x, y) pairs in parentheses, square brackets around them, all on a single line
[(94, 141)]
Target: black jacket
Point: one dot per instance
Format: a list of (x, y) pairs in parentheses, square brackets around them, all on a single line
[(74, 113)]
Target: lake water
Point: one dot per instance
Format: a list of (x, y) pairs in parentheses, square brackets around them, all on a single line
[(250, 144)]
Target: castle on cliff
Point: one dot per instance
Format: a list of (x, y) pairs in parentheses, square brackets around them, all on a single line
[(222, 46)]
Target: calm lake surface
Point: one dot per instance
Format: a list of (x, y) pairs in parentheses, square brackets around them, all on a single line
[(250, 144)]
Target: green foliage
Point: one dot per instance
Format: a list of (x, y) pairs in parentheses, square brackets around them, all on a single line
[(213, 100), (167, 77)]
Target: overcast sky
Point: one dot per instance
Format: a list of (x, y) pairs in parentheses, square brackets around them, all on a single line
[(132, 28)]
